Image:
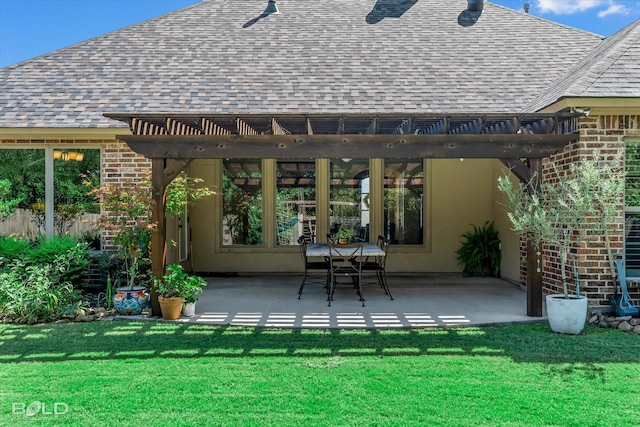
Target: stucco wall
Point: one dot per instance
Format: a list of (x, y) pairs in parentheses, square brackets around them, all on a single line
[(511, 248), (461, 194)]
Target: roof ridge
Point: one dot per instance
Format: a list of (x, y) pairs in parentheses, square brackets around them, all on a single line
[(620, 47), (590, 69)]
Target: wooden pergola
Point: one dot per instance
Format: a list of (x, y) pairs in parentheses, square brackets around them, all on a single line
[(172, 141)]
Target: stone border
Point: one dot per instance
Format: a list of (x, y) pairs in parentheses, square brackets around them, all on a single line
[(623, 323)]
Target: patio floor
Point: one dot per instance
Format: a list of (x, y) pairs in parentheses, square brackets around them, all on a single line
[(431, 300)]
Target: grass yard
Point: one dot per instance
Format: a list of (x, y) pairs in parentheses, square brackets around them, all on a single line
[(165, 374)]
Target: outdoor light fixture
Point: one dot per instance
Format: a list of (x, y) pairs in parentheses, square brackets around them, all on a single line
[(68, 155), (584, 111)]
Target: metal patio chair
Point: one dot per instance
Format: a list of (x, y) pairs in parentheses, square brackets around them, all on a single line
[(375, 267), (312, 268), (345, 261)]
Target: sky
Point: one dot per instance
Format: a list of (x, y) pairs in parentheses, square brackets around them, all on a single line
[(29, 28)]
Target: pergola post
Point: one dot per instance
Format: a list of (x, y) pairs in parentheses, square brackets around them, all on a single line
[(534, 257), (159, 234)]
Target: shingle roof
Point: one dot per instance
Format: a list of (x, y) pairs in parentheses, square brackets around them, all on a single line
[(316, 56), (611, 70)]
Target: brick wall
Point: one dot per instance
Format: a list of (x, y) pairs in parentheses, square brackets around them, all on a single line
[(119, 166), (606, 134)]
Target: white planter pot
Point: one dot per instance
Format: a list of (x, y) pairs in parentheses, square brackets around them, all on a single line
[(567, 315), (189, 309)]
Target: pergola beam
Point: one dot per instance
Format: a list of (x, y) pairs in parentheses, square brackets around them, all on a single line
[(494, 146)]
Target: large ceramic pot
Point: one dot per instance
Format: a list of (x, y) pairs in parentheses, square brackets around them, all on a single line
[(567, 315), (170, 307), (131, 300)]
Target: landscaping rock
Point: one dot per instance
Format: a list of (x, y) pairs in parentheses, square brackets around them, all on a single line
[(625, 326), (85, 318), (622, 323)]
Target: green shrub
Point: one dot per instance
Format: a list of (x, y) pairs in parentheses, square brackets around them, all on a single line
[(44, 251), (480, 251), (113, 264), (35, 292), (14, 248), (75, 251)]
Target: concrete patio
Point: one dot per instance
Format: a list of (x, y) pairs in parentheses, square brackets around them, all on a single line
[(431, 300)]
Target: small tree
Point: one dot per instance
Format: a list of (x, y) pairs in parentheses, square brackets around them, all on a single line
[(580, 206), (126, 215)]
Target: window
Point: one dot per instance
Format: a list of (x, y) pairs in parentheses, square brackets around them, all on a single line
[(404, 201), (349, 196), (632, 209), (295, 201), (242, 202)]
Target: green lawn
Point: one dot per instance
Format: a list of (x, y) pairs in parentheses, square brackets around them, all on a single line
[(153, 374)]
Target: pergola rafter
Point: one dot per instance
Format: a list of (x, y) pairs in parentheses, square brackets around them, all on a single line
[(172, 141)]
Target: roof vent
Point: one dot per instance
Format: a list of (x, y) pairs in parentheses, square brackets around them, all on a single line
[(272, 8), (527, 6), (475, 5)]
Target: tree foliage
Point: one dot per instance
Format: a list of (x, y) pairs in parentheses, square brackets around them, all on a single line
[(580, 205), (7, 203)]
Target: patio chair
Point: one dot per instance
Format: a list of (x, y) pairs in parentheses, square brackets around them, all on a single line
[(376, 267), (345, 261), (311, 267)]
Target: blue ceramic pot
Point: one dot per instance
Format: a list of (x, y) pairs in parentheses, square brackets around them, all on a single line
[(131, 300)]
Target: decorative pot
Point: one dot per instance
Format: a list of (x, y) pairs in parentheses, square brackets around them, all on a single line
[(567, 315), (170, 307), (343, 241), (131, 300), (189, 309)]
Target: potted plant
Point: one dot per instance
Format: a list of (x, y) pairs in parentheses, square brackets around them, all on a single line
[(344, 236), (579, 206), (191, 295), (174, 287), (126, 215), (480, 251)]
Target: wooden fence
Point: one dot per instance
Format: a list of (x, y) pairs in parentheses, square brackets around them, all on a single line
[(22, 223)]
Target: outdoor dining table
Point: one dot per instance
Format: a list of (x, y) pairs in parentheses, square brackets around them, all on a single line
[(322, 250)]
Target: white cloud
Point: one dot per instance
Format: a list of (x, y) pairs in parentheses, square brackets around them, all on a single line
[(566, 7), (612, 10)]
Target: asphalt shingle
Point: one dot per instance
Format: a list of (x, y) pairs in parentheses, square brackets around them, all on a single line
[(321, 56), (611, 70)]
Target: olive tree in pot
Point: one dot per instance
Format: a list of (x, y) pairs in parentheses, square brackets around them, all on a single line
[(174, 287), (581, 205)]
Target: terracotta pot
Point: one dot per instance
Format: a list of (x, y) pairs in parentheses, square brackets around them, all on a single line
[(170, 307)]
